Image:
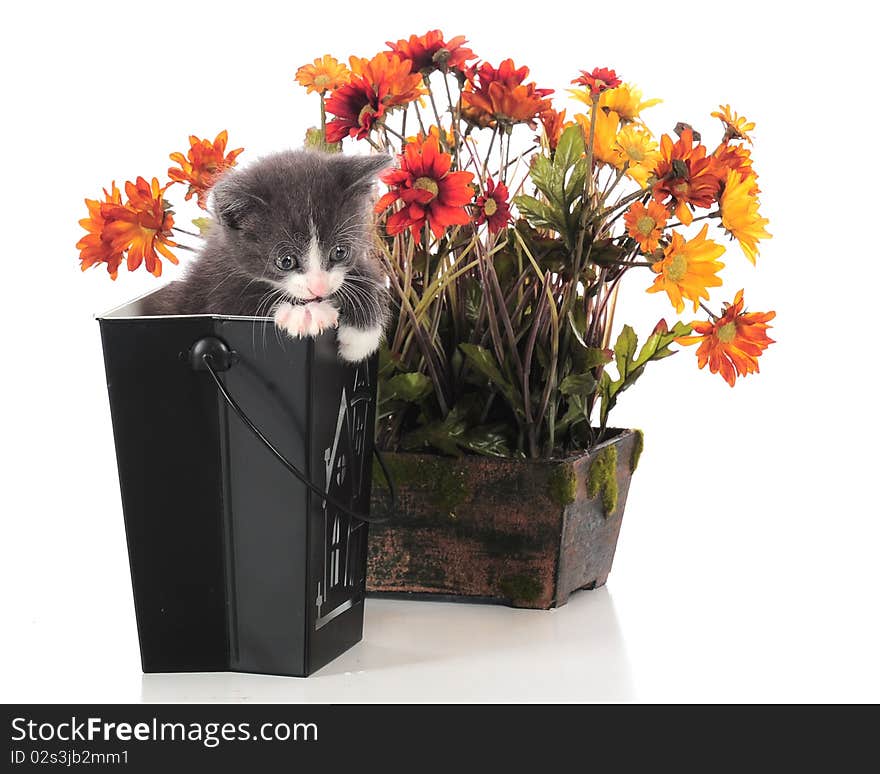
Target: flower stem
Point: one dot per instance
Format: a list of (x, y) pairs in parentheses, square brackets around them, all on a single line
[(708, 311), (188, 233)]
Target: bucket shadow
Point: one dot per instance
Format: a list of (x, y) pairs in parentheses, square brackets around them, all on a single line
[(441, 652)]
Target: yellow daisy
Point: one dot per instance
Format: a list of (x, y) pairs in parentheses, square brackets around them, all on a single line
[(625, 100), (636, 146), (688, 269), (739, 213), (735, 126), (324, 74), (605, 141)]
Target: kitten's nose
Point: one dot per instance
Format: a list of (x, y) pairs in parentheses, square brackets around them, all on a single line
[(318, 285)]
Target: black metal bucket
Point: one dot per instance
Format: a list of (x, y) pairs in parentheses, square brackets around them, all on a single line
[(236, 565)]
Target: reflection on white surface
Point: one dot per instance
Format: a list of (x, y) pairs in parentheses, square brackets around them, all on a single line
[(462, 653)]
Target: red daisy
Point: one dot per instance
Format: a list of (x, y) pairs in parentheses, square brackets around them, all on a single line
[(601, 79), (493, 207), (430, 193)]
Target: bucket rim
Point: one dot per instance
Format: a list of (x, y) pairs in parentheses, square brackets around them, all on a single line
[(112, 315)]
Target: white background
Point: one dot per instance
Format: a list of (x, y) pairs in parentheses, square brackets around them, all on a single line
[(747, 565)]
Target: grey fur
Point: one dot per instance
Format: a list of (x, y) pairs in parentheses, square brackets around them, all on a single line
[(269, 209)]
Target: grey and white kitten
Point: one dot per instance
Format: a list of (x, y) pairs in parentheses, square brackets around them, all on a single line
[(293, 240)]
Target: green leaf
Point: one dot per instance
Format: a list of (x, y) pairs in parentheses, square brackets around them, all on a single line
[(484, 361), (570, 148), (540, 214), (411, 387), (629, 366), (582, 385)]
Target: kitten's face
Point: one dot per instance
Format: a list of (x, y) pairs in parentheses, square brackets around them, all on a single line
[(300, 219)]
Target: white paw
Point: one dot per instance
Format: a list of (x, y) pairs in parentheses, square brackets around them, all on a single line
[(355, 344), (306, 319)]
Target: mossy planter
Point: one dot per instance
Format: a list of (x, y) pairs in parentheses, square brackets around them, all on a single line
[(524, 533)]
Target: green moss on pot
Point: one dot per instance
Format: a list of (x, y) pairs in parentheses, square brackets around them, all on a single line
[(447, 483), (523, 588), (603, 478), (563, 485), (638, 448)]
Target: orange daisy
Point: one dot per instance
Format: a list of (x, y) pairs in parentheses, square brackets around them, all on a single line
[(739, 159), (732, 343), (97, 246), (685, 175), (491, 95), (688, 269), (142, 227), (429, 192), (326, 73), (553, 122), (646, 224), (431, 52), (202, 166)]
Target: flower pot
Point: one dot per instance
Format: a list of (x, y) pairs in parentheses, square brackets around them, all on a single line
[(525, 533), (235, 564)]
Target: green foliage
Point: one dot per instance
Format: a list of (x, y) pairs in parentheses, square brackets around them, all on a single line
[(561, 181), (631, 366)]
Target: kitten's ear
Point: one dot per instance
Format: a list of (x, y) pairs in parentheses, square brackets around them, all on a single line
[(360, 172), (232, 200)]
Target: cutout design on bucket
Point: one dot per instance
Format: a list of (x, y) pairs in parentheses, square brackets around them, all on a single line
[(344, 459)]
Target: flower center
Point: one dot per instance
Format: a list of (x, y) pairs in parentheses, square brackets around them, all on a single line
[(726, 332), (645, 225), (490, 207), (322, 82), (367, 116), (678, 268), (427, 184)]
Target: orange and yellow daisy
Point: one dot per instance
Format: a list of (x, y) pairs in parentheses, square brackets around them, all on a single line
[(739, 159), (731, 344), (688, 269), (646, 224), (431, 195), (740, 216), (736, 127), (142, 226), (685, 175), (96, 246), (203, 164), (325, 74), (376, 85)]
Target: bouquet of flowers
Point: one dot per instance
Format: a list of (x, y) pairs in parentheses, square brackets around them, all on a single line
[(506, 230)]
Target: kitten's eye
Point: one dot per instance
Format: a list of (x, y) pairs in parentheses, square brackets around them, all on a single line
[(285, 262), (339, 253)]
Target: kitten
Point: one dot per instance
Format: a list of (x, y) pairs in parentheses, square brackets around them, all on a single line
[(293, 239)]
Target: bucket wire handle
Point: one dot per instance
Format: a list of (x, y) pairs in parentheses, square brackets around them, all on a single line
[(203, 356)]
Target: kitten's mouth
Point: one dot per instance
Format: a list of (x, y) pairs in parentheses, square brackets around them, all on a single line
[(296, 300)]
